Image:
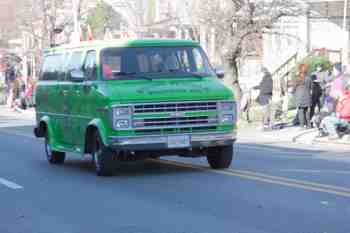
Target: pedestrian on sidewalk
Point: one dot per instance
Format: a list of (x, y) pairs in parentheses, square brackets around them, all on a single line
[(16, 90), (327, 100), (302, 92), (330, 125), (336, 89), (265, 98), (10, 77), (323, 77), (246, 102), (315, 96), (29, 92)]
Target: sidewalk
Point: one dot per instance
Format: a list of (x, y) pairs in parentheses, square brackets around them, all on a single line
[(291, 134), (246, 132), (252, 131), (10, 117)]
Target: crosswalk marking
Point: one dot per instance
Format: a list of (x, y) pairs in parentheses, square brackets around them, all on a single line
[(10, 184)]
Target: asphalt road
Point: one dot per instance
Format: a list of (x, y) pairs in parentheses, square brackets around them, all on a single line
[(270, 188)]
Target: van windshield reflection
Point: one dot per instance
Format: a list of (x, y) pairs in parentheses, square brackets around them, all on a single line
[(154, 62)]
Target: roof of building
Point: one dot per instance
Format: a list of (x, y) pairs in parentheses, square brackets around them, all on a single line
[(126, 43)]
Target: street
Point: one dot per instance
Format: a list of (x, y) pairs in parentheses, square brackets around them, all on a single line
[(125, 78), (269, 188)]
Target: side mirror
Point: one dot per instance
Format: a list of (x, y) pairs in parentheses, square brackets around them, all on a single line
[(220, 73), (90, 72), (77, 75)]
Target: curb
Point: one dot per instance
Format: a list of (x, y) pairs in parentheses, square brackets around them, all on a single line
[(331, 142), (303, 133), (320, 141)]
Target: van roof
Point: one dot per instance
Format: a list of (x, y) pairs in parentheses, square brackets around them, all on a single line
[(125, 43)]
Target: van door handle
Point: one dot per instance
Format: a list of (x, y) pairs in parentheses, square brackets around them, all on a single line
[(64, 92)]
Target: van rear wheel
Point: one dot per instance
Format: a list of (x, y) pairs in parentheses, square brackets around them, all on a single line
[(103, 157), (53, 157), (220, 157)]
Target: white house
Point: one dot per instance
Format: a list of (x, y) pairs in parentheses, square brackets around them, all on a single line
[(320, 28)]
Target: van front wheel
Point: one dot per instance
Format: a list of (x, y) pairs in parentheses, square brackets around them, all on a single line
[(54, 157), (104, 158), (220, 157)]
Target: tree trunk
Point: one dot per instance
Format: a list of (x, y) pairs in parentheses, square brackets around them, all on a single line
[(233, 67)]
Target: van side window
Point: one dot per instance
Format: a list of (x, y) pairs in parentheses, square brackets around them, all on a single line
[(90, 66), (64, 58), (52, 67), (75, 62)]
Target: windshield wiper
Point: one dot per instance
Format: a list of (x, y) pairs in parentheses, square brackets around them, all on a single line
[(132, 74), (186, 72)]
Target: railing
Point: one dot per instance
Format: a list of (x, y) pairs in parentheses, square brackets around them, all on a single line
[(281, 75)]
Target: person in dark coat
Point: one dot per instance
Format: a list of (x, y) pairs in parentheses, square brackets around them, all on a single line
[(10, 77), (265, 96), (315, 96), (302, 91)]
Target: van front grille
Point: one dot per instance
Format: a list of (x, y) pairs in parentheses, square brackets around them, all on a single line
[(175, 107), (184, 117), (176, 122)]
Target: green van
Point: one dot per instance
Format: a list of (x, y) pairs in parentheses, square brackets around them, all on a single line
[(137, 99)]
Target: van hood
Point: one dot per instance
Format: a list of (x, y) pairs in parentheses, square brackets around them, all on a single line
[(167, 90)]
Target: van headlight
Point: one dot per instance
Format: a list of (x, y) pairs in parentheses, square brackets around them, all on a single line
[(226, 106), (122, 117), (122, 124), (121, 111), (228, 118)]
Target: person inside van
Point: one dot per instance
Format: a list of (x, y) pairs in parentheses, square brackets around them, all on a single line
[(107, 71), (111, 65), (157, 63)]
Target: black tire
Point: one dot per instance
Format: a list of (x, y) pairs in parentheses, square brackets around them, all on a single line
[(52, 156), (220, 157), (104, 158)]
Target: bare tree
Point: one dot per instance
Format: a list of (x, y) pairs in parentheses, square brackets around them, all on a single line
[(235, 23), (183, 15), (133, 11), (40, 20)]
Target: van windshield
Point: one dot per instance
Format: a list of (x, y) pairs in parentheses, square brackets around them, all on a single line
[(154, 62)]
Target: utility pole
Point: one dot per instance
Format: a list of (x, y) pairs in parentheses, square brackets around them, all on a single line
[(76, 33), (308, 32), (345, 50)]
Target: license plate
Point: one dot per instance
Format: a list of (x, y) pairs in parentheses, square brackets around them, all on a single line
[(182, 141)]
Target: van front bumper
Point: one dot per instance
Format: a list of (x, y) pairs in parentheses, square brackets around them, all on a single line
[(161, 142)]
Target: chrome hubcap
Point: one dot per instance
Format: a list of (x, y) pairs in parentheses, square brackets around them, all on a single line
[(96, 155), (48, 150)]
